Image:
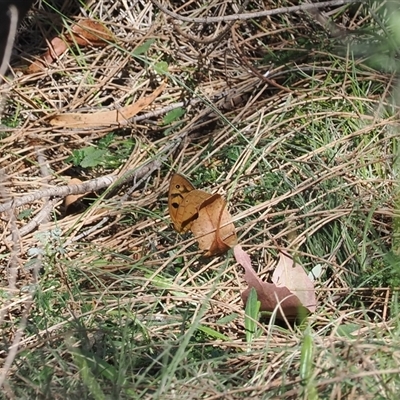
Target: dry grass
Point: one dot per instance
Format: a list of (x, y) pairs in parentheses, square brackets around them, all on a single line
[(108, 300)]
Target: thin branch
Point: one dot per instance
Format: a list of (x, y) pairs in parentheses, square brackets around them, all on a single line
[(12, 267), (47, 207), (89, 186), (258, 14), (93, 185), (216, 37), (16, 342), (61, 191), (41, 217), (15, 251)]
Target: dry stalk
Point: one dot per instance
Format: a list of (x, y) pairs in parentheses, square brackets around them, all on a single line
[(89, 186), (259, 14)]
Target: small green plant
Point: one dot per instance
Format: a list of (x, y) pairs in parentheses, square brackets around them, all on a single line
[(109, 153), (173, 115), (252, 315), (307, 366), (88, 157), (84, 366)]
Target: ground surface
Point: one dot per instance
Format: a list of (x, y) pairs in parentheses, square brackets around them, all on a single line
[(292, 117)]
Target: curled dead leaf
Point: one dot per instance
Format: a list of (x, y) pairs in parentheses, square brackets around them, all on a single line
[(86, 32), (57, 46), (278, 297), (213, 227)]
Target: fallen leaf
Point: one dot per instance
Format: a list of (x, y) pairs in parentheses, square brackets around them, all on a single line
[(271, 296), (213, 227), (86, 32), (57, 47), (71, 200), (115, 117), (292, 276)]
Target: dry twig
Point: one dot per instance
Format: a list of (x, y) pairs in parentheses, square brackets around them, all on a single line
[(89, 186), (258, 14)]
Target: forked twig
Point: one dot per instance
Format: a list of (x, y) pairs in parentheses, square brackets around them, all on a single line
[(258, 14), (89, 186)]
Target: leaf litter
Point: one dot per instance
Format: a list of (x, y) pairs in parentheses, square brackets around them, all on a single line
[(86, 32), (119, 237), (213, 228), (290, 293)]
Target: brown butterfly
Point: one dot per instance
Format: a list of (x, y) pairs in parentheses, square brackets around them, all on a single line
[(183, 202)]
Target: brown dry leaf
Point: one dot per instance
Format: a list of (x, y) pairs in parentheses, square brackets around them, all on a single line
[(56, 47), (213, 227), (87, 32), (84, 33), (270, 295), (71, 199), (292, 276), (115, 117)]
